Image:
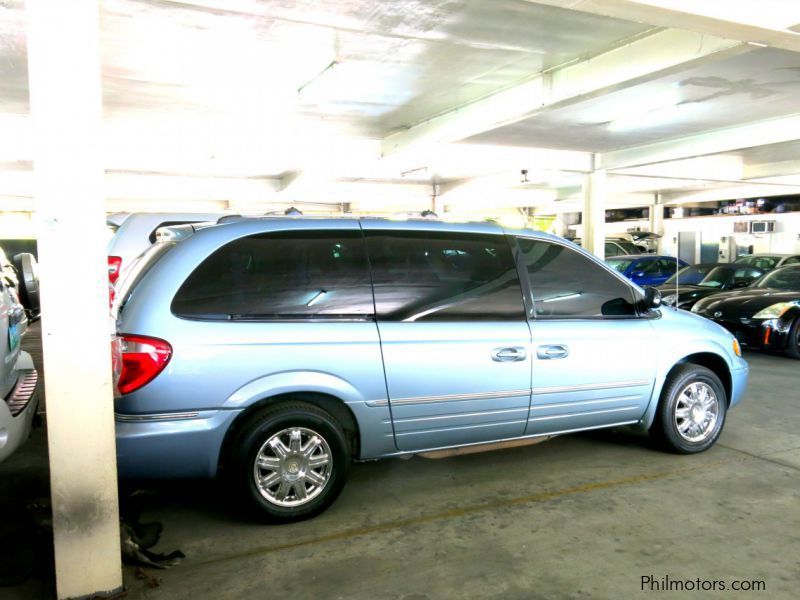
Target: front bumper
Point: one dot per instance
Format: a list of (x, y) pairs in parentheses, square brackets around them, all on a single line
[(739, 379), (18, 408), (171, 444), (758, 334)]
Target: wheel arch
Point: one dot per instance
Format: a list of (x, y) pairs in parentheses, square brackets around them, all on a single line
[(713, 362), (337, 408)]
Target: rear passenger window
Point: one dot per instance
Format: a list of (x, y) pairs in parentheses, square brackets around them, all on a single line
[(566, 284), (290, 274), (431, 276)]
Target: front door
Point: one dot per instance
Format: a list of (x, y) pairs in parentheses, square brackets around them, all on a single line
[(455, 341), (591, 362)]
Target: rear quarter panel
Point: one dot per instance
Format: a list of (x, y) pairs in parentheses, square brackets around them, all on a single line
[(230, 365)]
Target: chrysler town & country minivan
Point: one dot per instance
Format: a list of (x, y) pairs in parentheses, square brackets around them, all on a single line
[(277, 350)]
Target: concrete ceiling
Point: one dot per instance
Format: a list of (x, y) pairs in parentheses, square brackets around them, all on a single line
[(251, 101)]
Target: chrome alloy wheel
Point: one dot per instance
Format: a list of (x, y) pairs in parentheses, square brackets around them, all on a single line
[(292, 467), (696, 412)]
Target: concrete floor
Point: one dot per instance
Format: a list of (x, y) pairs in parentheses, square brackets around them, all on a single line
[(582, 516)]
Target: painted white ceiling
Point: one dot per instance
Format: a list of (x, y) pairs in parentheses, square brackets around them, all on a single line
[(269, 89)]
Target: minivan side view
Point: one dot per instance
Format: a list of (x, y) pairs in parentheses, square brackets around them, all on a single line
[(275, 351)]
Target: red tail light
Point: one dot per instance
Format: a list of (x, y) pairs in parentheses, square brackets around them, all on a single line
[(137, 360), (114, 265)]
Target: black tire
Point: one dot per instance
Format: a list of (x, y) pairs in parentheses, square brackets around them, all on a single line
[(793, 343), (26, 266), (273, 423), (677, 437)]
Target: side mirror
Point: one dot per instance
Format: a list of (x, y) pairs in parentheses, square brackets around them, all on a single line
[(638, 274), (741, 283), (652, 299)]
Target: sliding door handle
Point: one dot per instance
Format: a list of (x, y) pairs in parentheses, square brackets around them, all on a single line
[(511, 354), (552, 351)]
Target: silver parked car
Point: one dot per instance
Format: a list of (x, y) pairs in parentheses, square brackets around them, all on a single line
[(18, 377), (278, 350)]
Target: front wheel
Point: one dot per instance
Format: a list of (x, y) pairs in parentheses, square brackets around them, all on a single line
[(291, 462), (793, 344), (692, 410)]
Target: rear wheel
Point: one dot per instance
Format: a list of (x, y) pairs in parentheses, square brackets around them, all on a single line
[(692, 410), (291, 461), (793, 343)]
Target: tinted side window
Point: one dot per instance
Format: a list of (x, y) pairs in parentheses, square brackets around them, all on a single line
[(566, 284), (291, 274), (432, 276)]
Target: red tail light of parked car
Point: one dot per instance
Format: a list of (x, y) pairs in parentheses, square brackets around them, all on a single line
[(137, 360), (114, 267)]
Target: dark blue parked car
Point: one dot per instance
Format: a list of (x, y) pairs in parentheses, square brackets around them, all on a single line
[(647, 269)]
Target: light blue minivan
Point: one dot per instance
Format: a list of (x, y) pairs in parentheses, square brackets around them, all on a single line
[(277, 350)]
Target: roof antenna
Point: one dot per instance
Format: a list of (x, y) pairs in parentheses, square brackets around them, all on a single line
[(677, 280)]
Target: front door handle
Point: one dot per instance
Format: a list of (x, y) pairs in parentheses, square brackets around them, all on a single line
[(552, 351), (511, 354)]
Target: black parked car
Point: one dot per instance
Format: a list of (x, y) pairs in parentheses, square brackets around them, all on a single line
[(700, 281), (766, 315)]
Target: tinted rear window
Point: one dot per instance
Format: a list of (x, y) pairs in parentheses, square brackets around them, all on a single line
[(294, 274), (432, 276)]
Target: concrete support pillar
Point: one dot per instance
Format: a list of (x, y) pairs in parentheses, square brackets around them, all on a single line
[(594, 213), (657, 219), (65, 95)]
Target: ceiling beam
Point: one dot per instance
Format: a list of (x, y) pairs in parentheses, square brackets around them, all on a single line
[(643, 59), (728, 193), (659, 16), (774, 131), (772, 169)]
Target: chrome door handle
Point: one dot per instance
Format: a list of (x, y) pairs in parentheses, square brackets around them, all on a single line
[(552, 351), (511, 354)]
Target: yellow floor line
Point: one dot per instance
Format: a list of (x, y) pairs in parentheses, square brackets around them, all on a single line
[(458, 512)]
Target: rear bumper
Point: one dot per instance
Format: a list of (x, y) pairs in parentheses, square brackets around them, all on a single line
[(171, 445), (18, 408)]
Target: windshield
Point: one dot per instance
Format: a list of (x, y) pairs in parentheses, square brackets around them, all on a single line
[(619, 264), (787, 279), (717, 277), (762, 262), (689, 275), (628, 247)]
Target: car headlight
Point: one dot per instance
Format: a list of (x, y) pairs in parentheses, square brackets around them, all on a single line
[(776, 311), (669, 300)]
